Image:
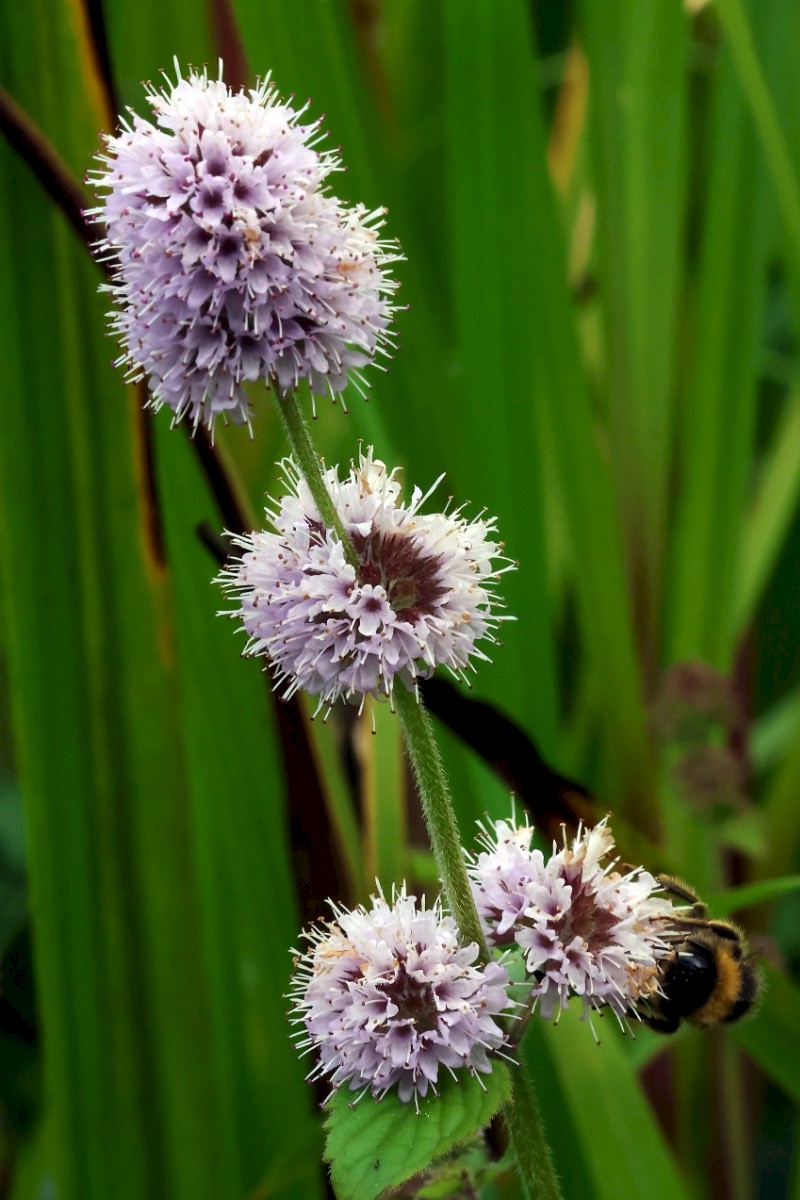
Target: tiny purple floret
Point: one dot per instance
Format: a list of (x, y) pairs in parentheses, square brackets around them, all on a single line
[(387, 997), (585, 928), (230, 262), (421, 597)]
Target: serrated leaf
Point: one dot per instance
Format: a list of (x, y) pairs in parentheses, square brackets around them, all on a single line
[(375, 1145)]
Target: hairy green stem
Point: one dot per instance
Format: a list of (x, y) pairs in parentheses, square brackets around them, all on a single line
[(306, 458), (534, 1163), (440, 818), (525, 1130)]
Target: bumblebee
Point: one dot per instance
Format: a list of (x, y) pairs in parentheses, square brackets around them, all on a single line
[(710, 976)]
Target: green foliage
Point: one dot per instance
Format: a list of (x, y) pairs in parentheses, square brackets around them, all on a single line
[(621, 1146), (466, 1168), (749, 895), (374, 1145), (772, 1037)]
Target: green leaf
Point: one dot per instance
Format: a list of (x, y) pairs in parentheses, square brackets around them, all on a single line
[(508, 280), (782, 814), (736, 26), (773, 733), (122, 996), (383, 790), (772, 1037), (746, 831), (624, 1150), (718, 409), (374, 1145), (637, 66), (769, 521), (248, 906), (751, 894), (160, 879)]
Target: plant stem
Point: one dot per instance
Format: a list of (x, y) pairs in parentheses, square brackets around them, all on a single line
[(533, 1156), (306, 457), (534, 1161), (439, 815)]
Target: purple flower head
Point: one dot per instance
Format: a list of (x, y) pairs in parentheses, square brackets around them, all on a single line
[(422, 595), (584, 928), (230, 261), (387, 996)]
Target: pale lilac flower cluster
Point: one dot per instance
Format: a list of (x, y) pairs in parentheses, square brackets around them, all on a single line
[(422, 595), (584, 928), (231, 263), (387, 997)]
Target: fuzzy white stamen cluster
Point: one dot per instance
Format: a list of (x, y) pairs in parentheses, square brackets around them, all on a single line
[(585, 928), (387, 997), (231, 263), (421, 597)]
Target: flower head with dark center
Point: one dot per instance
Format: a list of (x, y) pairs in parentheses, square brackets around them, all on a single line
[(387, 997), (422, 594), (231, 262), (584, 927)]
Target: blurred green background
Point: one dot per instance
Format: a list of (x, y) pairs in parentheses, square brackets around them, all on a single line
[(600, 210)]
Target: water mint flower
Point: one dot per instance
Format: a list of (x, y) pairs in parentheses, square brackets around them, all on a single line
[(584, 927), (387, 997), (422, 595), (230, 261)]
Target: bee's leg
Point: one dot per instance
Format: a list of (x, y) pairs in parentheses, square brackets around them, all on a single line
[(663, 1022), (678, 889), (691, 921), (724, 929)]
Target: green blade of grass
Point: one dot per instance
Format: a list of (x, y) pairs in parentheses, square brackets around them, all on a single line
[(490, 89), (782, 814), (518, 338), (773, 732), (112, 888), (773, 509), (145, 37), (772, 1038), (748, 895), (58, 765), (249, 910), (148, 1060), (383, 777), (637, 78), (718, 412), (326, 742), (737, 24), (625, 1152), (111, 885)]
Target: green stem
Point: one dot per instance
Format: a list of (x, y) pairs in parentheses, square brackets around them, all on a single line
[(534, 1163), (439, 815), (533, 1156), (736, 1129), (306, 458)]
